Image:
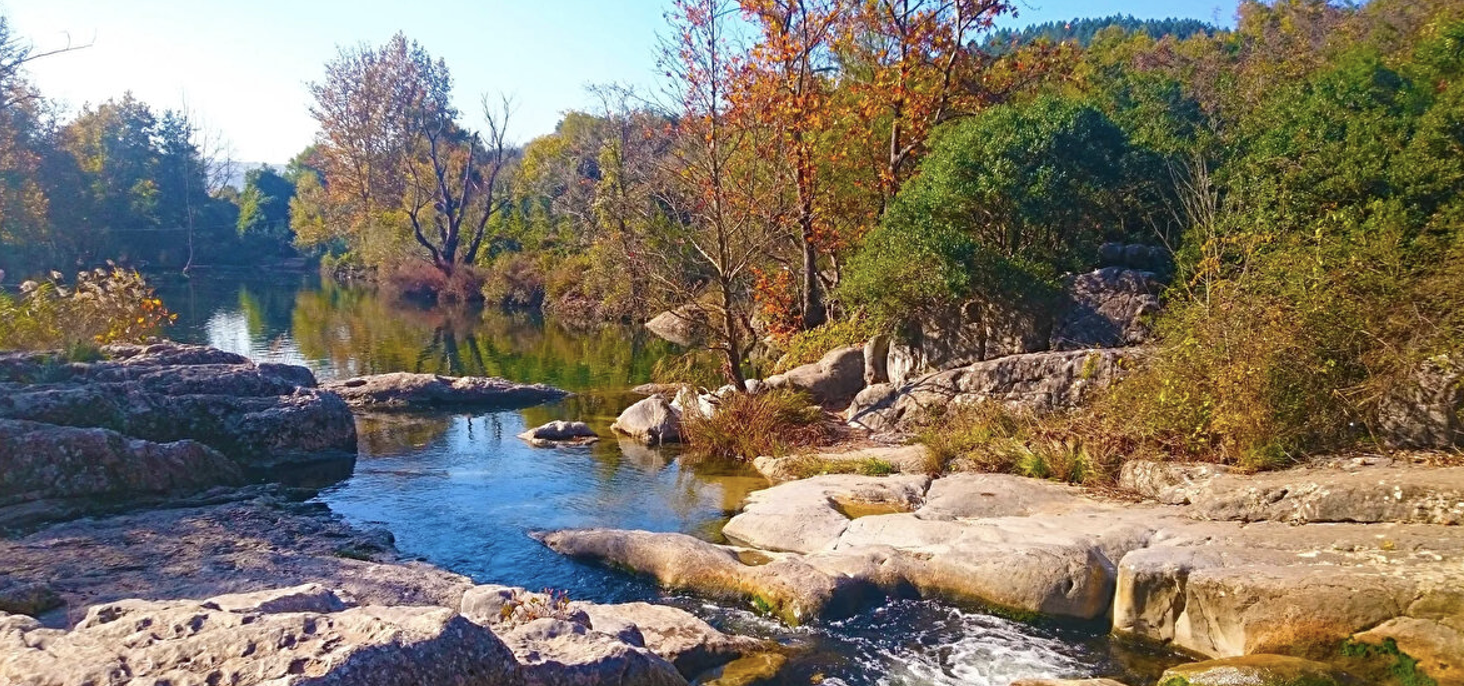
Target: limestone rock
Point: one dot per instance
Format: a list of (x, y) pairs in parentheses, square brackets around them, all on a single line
[(904, 459), (976, 496), (1255, 670), (832, 381), (404, 390), (876, 360), (557, 652), (804, 516), (689, 643), (560, 433), (1106, 308), (685, 326), (1171, 483), (1067, 682), (652, 421), (1037, 381), (60, 471), (1437, 644), (191, 642), (1368, 495)]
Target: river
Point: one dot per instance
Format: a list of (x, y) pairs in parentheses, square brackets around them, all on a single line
[(463, 492)]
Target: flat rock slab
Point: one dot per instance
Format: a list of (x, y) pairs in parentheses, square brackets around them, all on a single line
[(977, 496), (1422, 495), (809, 515), (1256, 670), (407, 391), (903, 459)]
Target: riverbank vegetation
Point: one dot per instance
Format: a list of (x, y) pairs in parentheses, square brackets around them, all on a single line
[(96, 308), (814, 172)]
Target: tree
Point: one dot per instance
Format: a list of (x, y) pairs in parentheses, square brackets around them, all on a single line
[(459, 183), (264, 211)]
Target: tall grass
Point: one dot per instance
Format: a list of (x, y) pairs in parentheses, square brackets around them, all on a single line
[(750, 425)]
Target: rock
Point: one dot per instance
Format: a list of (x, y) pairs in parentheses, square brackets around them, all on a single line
[(652, 421), (1067, 682), (751, 670), (876, 360), (689, 643), (197, 642), (685, 326), (980, 496), (403, 390), (704, 404), (805, 517), (832, 381), (557, 652), (560, 433), (904, 459), (303, 598), (1224, 589), (1041, 382), (61, 471), (34, 599), (1427, 410), (1171, 483), (259, 416), (1255, 670), (1437, 644), (1107, 308), (1368, 495)]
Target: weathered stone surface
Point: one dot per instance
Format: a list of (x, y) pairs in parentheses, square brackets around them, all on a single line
[(1371, 494), (59, 471), (560, 433), (979, 496), (903, 459), (191, 642), (1038, 381), (1437, 644), (684, 326), (1255, 670), (556, 652), (1171, 483), (876, 360), (832, 381), (1106, 308), (805, 517), (1067, 682), (1226, 589), (404, 390), (1426, 411), (652, 421), (689, 643)]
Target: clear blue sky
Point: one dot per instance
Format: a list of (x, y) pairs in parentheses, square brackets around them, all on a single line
[(242, 65)]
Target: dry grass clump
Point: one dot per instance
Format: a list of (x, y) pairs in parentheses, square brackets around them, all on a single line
[(749, 425), (989, 437)]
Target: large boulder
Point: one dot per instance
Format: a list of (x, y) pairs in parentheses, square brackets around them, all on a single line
[(261, 416), (652, 421), (560, 433), (831, 382), (1107, 308), (198, 642), (406, 391), (689, 643), (54, 472), (1171, 483), (1040, 382), (684, 326)]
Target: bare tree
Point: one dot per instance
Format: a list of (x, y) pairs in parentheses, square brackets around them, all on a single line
[(454, 191), (15, 53)]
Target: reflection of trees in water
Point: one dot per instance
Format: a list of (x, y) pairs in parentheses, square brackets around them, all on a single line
[(359, 332), (381, 435)]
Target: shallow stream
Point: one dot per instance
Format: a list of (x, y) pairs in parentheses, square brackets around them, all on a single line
[(463, 492)]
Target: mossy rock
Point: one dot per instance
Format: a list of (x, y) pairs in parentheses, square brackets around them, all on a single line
[(1256, 670)]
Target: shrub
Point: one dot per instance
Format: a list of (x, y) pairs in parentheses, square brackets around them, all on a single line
[(808, 346), (102, 306), (515, 282), (989, 437), (423, 281), (750, 425)]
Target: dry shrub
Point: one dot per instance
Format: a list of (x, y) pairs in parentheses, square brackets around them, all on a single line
[(990, 437), (423, 281), (749, 425), (515, 282), (102, 306)]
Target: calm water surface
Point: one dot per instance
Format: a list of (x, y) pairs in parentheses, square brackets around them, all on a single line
[(461, 491)]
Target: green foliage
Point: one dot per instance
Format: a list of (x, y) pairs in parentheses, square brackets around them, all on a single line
[(1399, 666), (1004, 203), (809, 346), (100, 307), (695, 368), (750, 425), (1083, 30)]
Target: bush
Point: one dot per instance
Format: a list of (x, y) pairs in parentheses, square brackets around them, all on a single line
[(422, 281), (750, 425), (515, 282), (809, 346), (102, 306), (990, 437)]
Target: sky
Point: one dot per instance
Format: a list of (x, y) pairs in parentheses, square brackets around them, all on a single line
[(241, 66)]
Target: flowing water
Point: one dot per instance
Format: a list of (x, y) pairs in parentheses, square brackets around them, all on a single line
[(461, 491)]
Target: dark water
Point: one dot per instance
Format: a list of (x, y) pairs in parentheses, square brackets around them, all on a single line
[(461, 491)]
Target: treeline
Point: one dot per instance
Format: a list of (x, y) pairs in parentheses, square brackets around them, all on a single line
[(122, 181), (1082, 31)]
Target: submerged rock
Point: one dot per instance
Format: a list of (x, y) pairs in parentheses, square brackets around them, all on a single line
[(405, 390), (560, 433), (652, 421), (1256, 670)]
